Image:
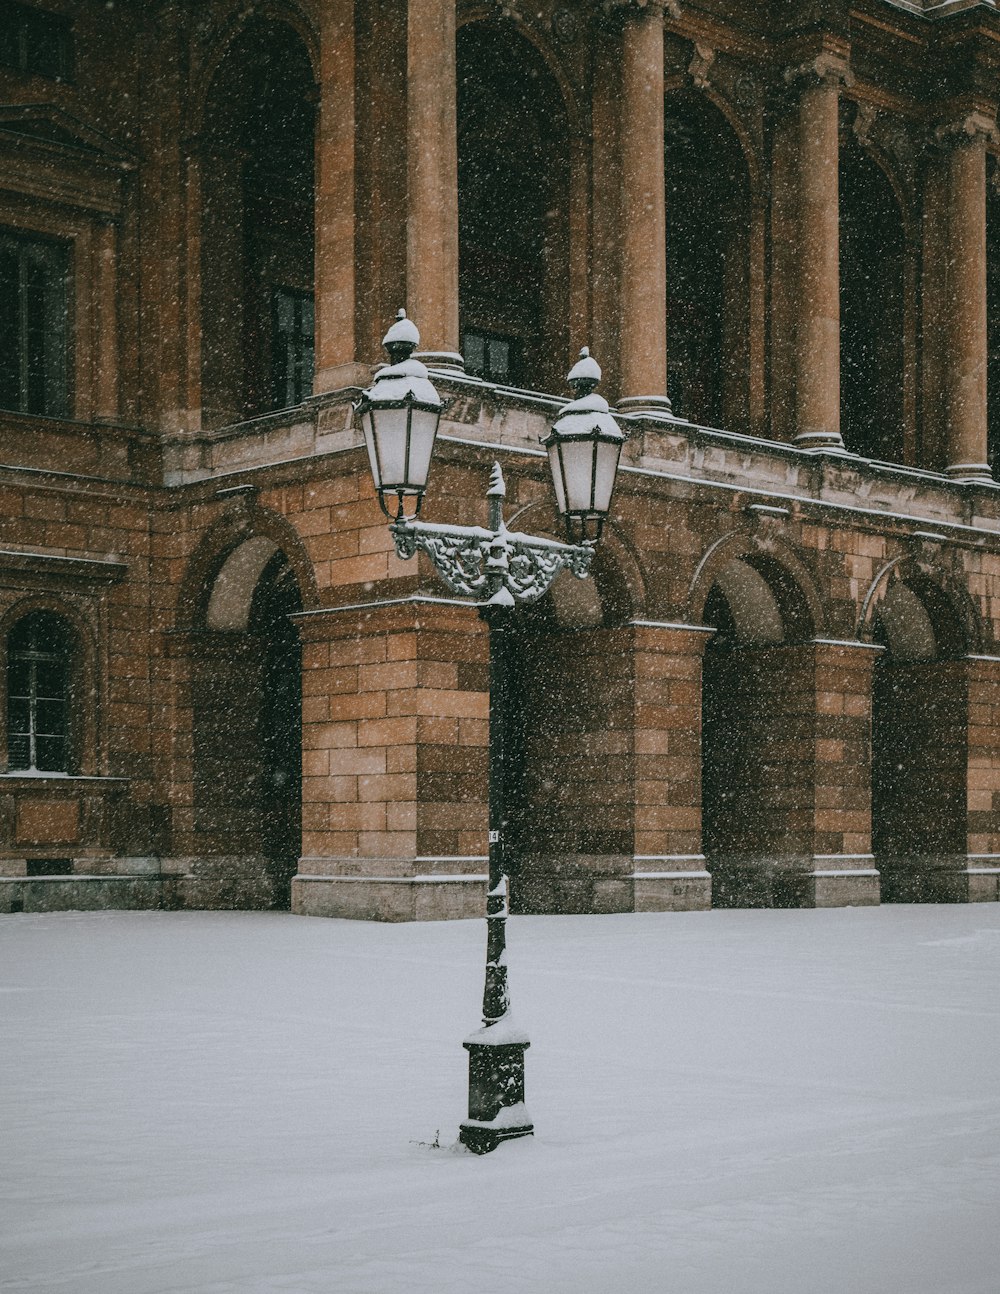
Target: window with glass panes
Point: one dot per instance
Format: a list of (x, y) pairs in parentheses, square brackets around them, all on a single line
[(33, 326), (39, 661), (291, 346), (491, 357)]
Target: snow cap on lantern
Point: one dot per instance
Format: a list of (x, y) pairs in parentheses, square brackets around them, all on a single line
[(584, 446), (400, 413)]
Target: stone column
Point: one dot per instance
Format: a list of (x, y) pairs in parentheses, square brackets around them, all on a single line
[(643, 298), (965, 298), (335, 191), (432, 181), (816, 359)]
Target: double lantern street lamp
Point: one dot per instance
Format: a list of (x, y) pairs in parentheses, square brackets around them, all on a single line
[(498, 568)]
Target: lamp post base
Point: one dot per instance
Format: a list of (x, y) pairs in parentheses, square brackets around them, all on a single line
[(482, 1138), (496, 1090)]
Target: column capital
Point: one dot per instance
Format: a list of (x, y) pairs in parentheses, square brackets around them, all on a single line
[(973, 127), (642, 8), (826, 68)]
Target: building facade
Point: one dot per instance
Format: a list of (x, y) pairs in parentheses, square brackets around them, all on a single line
[(777, 225)]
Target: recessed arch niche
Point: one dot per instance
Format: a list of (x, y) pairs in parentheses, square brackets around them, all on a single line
[(758, 747), (246, 714), (919, 743)]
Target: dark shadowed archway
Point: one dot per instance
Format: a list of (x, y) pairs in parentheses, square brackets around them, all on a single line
[(758, 746), (257, 170), (872, 253), (513, 210), (708, 264), (919, 744)]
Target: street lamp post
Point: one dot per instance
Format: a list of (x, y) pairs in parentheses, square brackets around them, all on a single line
[(498, 568)]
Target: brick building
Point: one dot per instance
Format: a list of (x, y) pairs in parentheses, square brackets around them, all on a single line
[(778, 227)]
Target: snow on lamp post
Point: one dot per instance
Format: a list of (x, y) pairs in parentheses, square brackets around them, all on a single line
[(498, 568)]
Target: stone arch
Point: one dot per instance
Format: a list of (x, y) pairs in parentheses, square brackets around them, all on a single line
[(480, 13), (794, 587), (947, 598), (236, 527), (282, 12), (515, 176), (84, 676)]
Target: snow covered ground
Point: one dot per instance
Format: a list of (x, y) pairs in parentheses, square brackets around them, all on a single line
[(725, 1103)]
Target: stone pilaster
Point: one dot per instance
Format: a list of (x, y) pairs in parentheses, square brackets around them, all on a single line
[(965, 348), (669, 867), (432, 180), (816, 359), (643, 297)]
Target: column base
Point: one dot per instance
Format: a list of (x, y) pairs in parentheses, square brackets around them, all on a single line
[(818, 881), (647, 406), (935, 878), (970, 472), (832, 441)]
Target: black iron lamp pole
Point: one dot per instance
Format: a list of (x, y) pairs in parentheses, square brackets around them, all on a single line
[(498, 568)]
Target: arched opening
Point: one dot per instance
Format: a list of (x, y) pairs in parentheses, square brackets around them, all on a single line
[(246, 696), (571, 784), (993, 311), (872, 249), (513, 210), (708, 265), (919, 749), (257, 177), (758, 747)]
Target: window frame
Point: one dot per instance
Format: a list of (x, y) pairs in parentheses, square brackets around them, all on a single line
[(76, 747), (54, 256)]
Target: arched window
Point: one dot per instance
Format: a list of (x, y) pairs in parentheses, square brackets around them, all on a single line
[(39, 694)]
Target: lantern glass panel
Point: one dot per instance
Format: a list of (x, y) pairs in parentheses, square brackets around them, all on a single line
[(578, 468), (423, 429), (367, 427), (555, 466), (390, 446), (606, 468)]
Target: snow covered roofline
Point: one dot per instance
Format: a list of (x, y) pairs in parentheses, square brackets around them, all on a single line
[(940, 8)]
